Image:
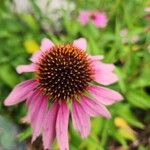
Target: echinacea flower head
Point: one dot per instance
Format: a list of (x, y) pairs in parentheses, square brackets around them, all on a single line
[(99, 19), (65, 75)]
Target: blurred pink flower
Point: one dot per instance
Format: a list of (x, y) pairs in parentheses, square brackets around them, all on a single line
[(64, 74), (98, 18), (147, 9)]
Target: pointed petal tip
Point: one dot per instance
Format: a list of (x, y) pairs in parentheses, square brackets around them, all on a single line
[(120, 97), (93, 108), (33, 139), (104, 95), (18, 69), (20, 92), (108, 116), (84, 136), (7, 103)]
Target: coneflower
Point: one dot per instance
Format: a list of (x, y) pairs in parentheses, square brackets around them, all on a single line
[(64, 74)]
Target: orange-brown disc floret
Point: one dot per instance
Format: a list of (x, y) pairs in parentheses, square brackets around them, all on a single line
[(64, 72)]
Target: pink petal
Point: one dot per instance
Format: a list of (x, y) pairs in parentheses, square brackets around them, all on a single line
[(93, 108), (62, 126), (32, 99), (36, 56), (80, 43), (147, 9), (105, 78), (26, 68), (103, 73), (46, 44), (84, 17), (20, 92), (100, 19), (49, 130), (104, 95), (80, 119), (37, 121), (101, 67), (33, 102)]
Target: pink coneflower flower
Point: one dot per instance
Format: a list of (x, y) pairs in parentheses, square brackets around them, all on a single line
[(65, 75), (99, 19)]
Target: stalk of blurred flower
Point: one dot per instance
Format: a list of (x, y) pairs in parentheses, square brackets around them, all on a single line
[(99, 19), (124, 129), (31, 46)]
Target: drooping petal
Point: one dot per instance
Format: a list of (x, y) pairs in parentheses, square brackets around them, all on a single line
[(37, 107), (80, 43), (46, 44), (37, 120), (32, 100), (62, 126), (84, 17), (100, 19), (49, 130), (104, 95), (93, 108), (20, 92), (35, 103), (80, 119), (26, 68), (105, 78)]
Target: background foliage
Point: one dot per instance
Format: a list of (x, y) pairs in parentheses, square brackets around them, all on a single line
[(125, 41)]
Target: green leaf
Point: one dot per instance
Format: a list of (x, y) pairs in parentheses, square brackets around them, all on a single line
[(144, 79), (139, 99), (8, 75), (30, 21), (25, 134), (97, 126), (121, 81)]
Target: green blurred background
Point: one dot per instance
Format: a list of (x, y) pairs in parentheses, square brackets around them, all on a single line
[(125, 41)]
